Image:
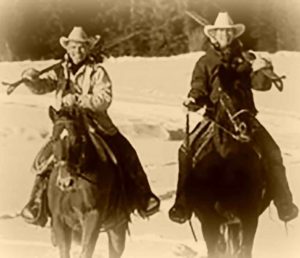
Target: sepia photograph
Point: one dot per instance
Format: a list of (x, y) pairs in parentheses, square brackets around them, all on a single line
[(149, 128)]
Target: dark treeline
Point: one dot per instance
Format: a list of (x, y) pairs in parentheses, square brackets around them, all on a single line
[(30, 29)]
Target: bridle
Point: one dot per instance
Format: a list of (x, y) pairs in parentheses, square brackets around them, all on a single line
[(76, 168), (240, 129), (75, 171)]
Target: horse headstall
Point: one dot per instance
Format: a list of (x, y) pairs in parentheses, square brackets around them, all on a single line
[(240, 130)]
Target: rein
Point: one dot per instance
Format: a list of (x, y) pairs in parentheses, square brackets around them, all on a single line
[(239, 113), (232, 118), (76, 173), (80, 175), (234, 136)]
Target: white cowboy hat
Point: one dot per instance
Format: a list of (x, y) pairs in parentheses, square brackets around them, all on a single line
[(78, 35), (223, 21)]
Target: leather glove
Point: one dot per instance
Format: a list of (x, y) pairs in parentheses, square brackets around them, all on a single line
[(190, 105), (70, 100), (260, 63), (84, 101)]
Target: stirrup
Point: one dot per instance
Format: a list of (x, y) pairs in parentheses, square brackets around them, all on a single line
[(40, 218), (26, 214)]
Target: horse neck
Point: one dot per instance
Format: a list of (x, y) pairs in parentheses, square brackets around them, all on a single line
[(224, 143), (224, 135), (89, 155)]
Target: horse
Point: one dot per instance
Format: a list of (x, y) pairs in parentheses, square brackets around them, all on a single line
[(85, 191), (227, 189)]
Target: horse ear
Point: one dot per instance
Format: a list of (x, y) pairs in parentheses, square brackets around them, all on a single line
[(53, 114)]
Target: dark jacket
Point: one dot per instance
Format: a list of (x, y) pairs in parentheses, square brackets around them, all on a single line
[(237, 70)]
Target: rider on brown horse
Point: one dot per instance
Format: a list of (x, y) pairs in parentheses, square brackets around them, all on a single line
[(225, 52), (82, 82)]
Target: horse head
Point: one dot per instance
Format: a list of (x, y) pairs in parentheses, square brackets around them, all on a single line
[(68, 142), (234, 114)]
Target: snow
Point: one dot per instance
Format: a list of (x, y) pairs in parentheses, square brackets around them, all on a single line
[(148, 93)]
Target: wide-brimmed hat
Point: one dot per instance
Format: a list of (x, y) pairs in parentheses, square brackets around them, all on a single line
[(78, 35), (223, 21)]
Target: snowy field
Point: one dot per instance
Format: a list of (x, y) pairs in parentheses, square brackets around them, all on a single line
[(147, 108)]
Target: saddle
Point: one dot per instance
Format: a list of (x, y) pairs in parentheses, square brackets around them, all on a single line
[(103, 149), (43, 159), (199, 140)]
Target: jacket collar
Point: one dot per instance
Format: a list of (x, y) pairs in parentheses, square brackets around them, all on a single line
[(67, 67), (228, 54)]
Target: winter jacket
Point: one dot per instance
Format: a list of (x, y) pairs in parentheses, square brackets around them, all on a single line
[(237, 70), (91, 79)]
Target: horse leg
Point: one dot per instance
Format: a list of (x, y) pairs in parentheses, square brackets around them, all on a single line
[(210, 225), (249, 230), (91, 225), (116, 240), (62, 234), (211, 236)]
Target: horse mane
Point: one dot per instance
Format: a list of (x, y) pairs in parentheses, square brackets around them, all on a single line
[(231, 104)]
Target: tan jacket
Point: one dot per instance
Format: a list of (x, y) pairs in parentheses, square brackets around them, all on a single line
[(91, 80)]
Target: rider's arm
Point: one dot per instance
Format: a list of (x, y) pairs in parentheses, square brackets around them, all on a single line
[(101, 96), (199, 84), (40, 84), (261, 67)]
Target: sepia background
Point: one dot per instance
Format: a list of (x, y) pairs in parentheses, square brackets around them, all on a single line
[(151, 74)]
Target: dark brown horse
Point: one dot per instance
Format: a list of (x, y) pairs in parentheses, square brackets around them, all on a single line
[(85, 189), (227, 188)]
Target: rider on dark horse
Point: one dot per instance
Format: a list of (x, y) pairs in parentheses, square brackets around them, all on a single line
[(82, 82), (225, 51)]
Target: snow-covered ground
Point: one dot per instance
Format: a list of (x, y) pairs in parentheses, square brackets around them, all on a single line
[(147, 108)]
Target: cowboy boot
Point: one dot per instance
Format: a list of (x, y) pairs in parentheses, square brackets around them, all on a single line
[(149, 203), (180, 212), (141, 197), (283, 200), (32, 212)]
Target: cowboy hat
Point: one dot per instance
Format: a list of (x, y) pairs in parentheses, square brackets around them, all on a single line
[(223, 21), (78, 35)]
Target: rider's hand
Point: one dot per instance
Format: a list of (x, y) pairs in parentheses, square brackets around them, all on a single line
[(30, 74), (84, 101), (69, 100), (190, 105), (260, 63)]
